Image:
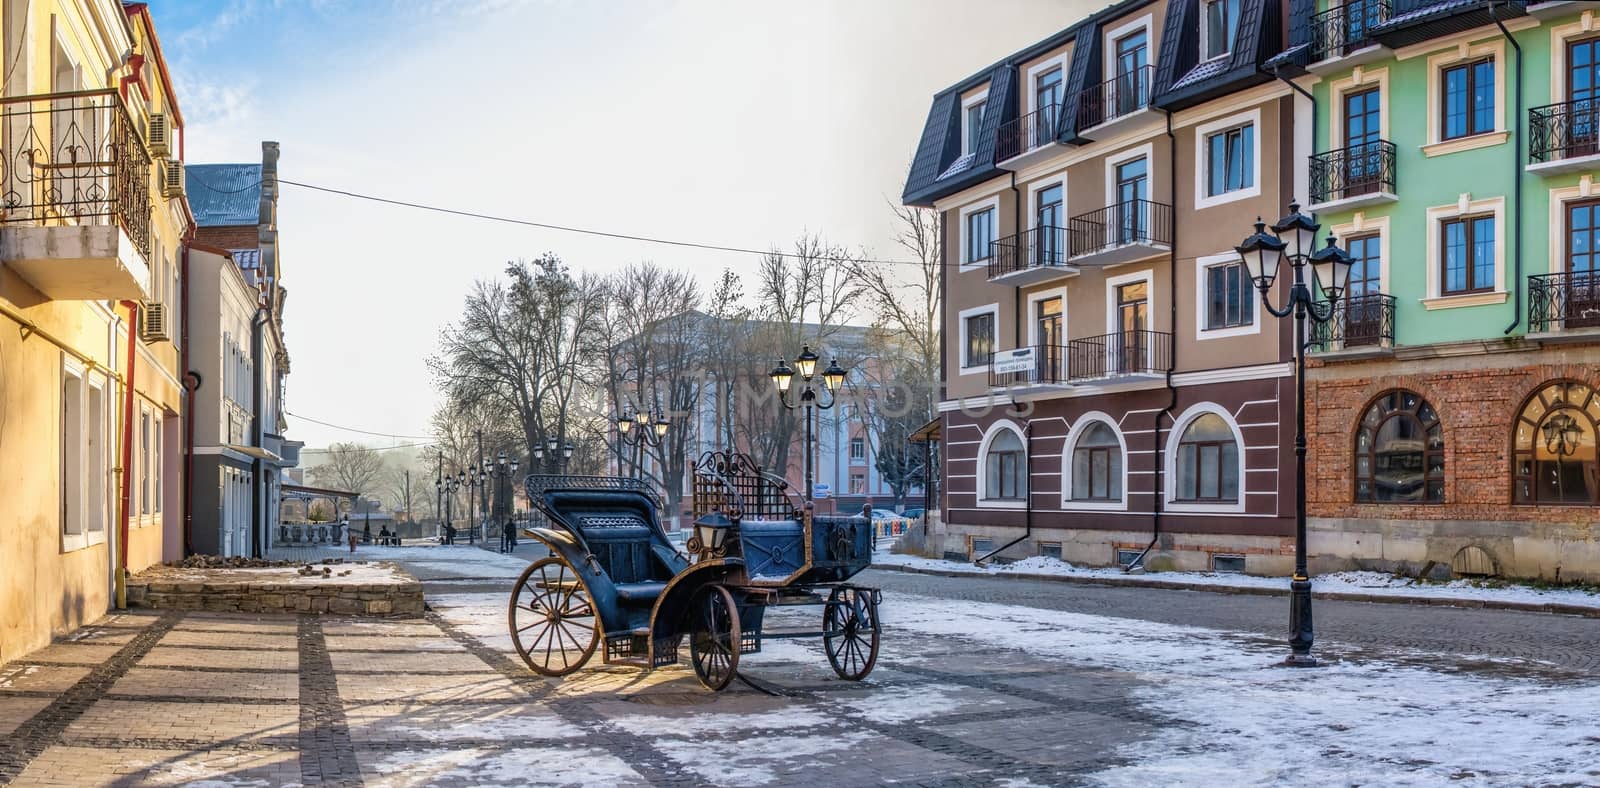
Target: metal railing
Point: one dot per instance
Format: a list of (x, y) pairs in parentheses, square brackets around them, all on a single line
[(1037, 248), (1049, 366), (1033, 130), (1121, 95), (1119, 354), (1358, 321), (1130, 222), (74, 158), (1563, 131), (1343, 28), (1564, 301), (1349, 172)]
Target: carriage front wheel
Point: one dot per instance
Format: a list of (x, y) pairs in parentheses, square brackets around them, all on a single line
[(552, 618), (714, 640), (850, 632)]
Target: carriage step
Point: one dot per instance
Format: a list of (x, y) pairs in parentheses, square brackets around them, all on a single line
[(630, 662), (641, 632)]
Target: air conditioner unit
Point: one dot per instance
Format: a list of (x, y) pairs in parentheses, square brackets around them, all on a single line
[(158, 134), (172, 178), (153, 323)]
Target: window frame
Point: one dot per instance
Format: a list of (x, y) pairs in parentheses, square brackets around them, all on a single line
[(861, 443), (1237, 6), (1585, 410), (1436, 297), (1371, 452), (993, 311), (1081, 427), (1203, 198), (970, 137), (1019, 468), (1174, 439), (963, 231), (1437, 62), (1203, 328), (1470, 65), (1228, 136), (1468, 221)]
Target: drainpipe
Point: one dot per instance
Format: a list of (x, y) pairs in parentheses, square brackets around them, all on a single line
[(257, 498), (1172, 325), (191, 383), (1027, 496), (1516, 186), (120, 571)]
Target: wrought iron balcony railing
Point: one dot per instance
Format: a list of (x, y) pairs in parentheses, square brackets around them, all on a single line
[(1358, 321), (1125, 223), (74, 158), (1345, 28), (1041, 247), (1367, 168), (1027, 133), (1563, 131), (1121, 95), (1049, 367), (1564, 301), (1119, 354)]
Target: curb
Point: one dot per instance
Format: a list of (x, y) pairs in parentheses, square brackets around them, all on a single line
[(1554, 608)]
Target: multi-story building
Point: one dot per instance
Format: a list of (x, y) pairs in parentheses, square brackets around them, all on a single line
[(1454, 406), (1111, 384), (240, 452), (91, 138)]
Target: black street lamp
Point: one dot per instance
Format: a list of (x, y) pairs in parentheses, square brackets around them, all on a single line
[(502, 471), (447, 488), (832, 380), (1294, 237), (553, 455), (640, 430)]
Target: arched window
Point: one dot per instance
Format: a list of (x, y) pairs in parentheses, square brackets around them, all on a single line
[(1208, 462), (1005, 468), (1400, 450), (1553, 448), (1097, 465)]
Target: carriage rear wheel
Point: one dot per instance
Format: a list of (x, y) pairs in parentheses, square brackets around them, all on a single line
[(715, 640), (552, 616), (850, 632)]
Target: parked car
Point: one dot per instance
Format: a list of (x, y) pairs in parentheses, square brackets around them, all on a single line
[(914, 515)]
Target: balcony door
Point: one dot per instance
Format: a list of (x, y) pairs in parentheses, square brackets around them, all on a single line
[(1050, 336), (1047, 95), (1049, 242), (1583, 95), (1363, 309), (1133, 190), (1133, 320), (1582, 291), (1358, 16), (1363, 156), (1132, 88)]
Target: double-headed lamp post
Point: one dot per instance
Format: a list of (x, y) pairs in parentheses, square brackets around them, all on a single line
[(446, 487), (832, 380), (1294, 237), (641, 430), (503, 471)]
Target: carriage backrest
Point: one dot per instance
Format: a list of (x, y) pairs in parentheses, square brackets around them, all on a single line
[(732, 483), (619, 527)]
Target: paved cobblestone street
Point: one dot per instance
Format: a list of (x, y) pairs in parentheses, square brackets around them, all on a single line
[(178, 698)]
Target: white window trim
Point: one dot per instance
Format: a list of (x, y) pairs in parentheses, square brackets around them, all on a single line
[(1058, 179), (1170, 462), (1202, 135), (1109, 43), (983, 466), (1465, 206), (1033, 312), (72, 376), (1146, 152), (1586, 26), (1201, 265), (1204, 25), (1059, 61), (961, 230), (1558, 218), (966, 130), (1437, 145), (107, 442), (1359, 224), (1360, 79), (1070, 446), (961, 332), (1113, 282)]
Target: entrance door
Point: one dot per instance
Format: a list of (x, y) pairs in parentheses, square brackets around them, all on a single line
[(1363, 309), (1049, 238), (1583, 265), (1050, 338), (1363, 155), (1133, 320), (1583, 91), (1133, 193)]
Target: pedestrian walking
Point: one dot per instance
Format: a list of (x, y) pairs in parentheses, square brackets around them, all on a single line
[(449, 534)]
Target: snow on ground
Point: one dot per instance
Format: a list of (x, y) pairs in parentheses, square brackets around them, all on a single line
[(1372, 583), (566, 766), (347, 574)]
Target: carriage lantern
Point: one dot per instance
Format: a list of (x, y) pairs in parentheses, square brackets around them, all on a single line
[(710, 535)]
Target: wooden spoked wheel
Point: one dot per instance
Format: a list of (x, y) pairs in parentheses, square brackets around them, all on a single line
[(850, 632), (553, 623), (714, 641)]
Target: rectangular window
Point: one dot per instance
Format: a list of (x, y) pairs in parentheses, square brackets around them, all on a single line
[(1230, 297), (155, 468), (1468, 255), (98, 448), (980, 235), (1227, 563), (981, 546), (144, 462), (1221, 26), (858, 449), (1050, 550), (974, 125), (1468, 99), (979, 348), (72, 453), (1230, 157), (858, 483)]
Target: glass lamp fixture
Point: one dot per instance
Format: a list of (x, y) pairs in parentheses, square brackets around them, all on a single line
[(1332, 268), (833, 376), (1261, 254), (624, 423), (1297, 230), (566, 451), (782, 376), (806, 362)]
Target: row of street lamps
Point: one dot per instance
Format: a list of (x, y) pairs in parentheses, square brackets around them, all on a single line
[(552, 456)]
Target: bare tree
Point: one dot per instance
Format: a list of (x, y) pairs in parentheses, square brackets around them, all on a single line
[(400, 490), (350, 467)]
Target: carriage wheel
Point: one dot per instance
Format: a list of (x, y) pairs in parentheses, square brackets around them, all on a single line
[(552, 616), (715, 642), (850, 632)]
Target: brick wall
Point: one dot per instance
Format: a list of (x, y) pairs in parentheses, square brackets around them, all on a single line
[(241, 237)]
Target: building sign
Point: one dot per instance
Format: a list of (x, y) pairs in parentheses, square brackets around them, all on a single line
[(1019, 360)]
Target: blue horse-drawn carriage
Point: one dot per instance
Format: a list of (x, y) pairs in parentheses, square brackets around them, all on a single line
[(614, 578)]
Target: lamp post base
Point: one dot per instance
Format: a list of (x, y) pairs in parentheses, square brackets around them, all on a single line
[(1300, 627)]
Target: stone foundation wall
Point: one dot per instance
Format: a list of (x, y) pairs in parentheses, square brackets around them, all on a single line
[(378, 599)]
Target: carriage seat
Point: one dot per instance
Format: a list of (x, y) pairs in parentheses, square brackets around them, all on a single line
[(622, 544), (640, 593)]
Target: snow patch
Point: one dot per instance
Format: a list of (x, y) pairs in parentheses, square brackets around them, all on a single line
[(519, 766), (747, 761)]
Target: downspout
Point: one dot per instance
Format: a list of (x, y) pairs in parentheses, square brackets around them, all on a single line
[(1516, 186), (1172, 391), (1027, 495), (191, 383), (257, 499), (120, 570)]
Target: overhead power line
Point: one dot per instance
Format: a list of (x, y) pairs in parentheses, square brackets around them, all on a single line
[(361, 431), (304, 452)]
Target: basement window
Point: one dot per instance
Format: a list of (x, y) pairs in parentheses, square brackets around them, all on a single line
[(1050, 550), (1227, 563), (1126, 558), (981, 546)]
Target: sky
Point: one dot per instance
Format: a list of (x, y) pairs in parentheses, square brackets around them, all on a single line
[(732, 122)]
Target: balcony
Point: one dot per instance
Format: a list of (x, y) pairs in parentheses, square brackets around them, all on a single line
[(1416, 21), (1027, 139), (1353, 177), (1035, 256), (1121, 233), (1120, 356), (1564, 137), (1361, 325), (75, 195), (1037, 368), (1564, 306), (1340, 37), (1117, 99)]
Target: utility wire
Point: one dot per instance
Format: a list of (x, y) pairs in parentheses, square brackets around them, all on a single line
[(363, 432), (375, 448)]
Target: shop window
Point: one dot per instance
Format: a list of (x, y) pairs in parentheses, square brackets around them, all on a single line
[(1399, 452)]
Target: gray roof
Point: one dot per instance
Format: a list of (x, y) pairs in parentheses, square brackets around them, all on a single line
[(225, 195)]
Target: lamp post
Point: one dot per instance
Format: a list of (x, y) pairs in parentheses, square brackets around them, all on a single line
[(640, 430), (1294, 237), (832, 379), (447, 488), (553, 455), (475, 482)]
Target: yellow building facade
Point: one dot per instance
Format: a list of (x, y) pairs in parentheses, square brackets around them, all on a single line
[(92, 225)]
